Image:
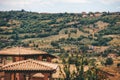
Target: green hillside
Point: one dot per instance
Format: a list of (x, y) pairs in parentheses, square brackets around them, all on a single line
[(59, 32)]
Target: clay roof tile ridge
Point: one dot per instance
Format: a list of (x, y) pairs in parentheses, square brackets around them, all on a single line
[(30, 64), (47, 64)]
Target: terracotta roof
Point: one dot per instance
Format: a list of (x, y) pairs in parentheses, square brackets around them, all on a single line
[(30, 65), (20, 51), (38, 75)]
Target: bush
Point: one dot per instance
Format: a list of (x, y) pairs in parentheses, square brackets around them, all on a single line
[(118, 65), (53, 43), (109, 61)]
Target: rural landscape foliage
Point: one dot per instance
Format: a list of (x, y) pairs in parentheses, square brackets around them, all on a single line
[(82, 39)]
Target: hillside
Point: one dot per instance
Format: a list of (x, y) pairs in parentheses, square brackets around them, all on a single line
[(60, 32)]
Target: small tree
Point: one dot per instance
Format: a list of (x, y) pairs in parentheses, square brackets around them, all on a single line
[(67, 72), (118, 65), (66, 31), (109, 61)]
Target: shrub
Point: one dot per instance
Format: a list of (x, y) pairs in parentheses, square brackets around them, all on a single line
[(109, 61)]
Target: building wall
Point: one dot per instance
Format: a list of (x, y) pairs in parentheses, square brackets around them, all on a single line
[(39, 58), (2, 78), (37, 78), (48, 59), (7, 76), (21, 76), (46, 76), (17, 58)]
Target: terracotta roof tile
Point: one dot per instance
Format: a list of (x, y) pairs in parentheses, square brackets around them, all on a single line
[(38, 75), (20, 51), (30, 65)]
